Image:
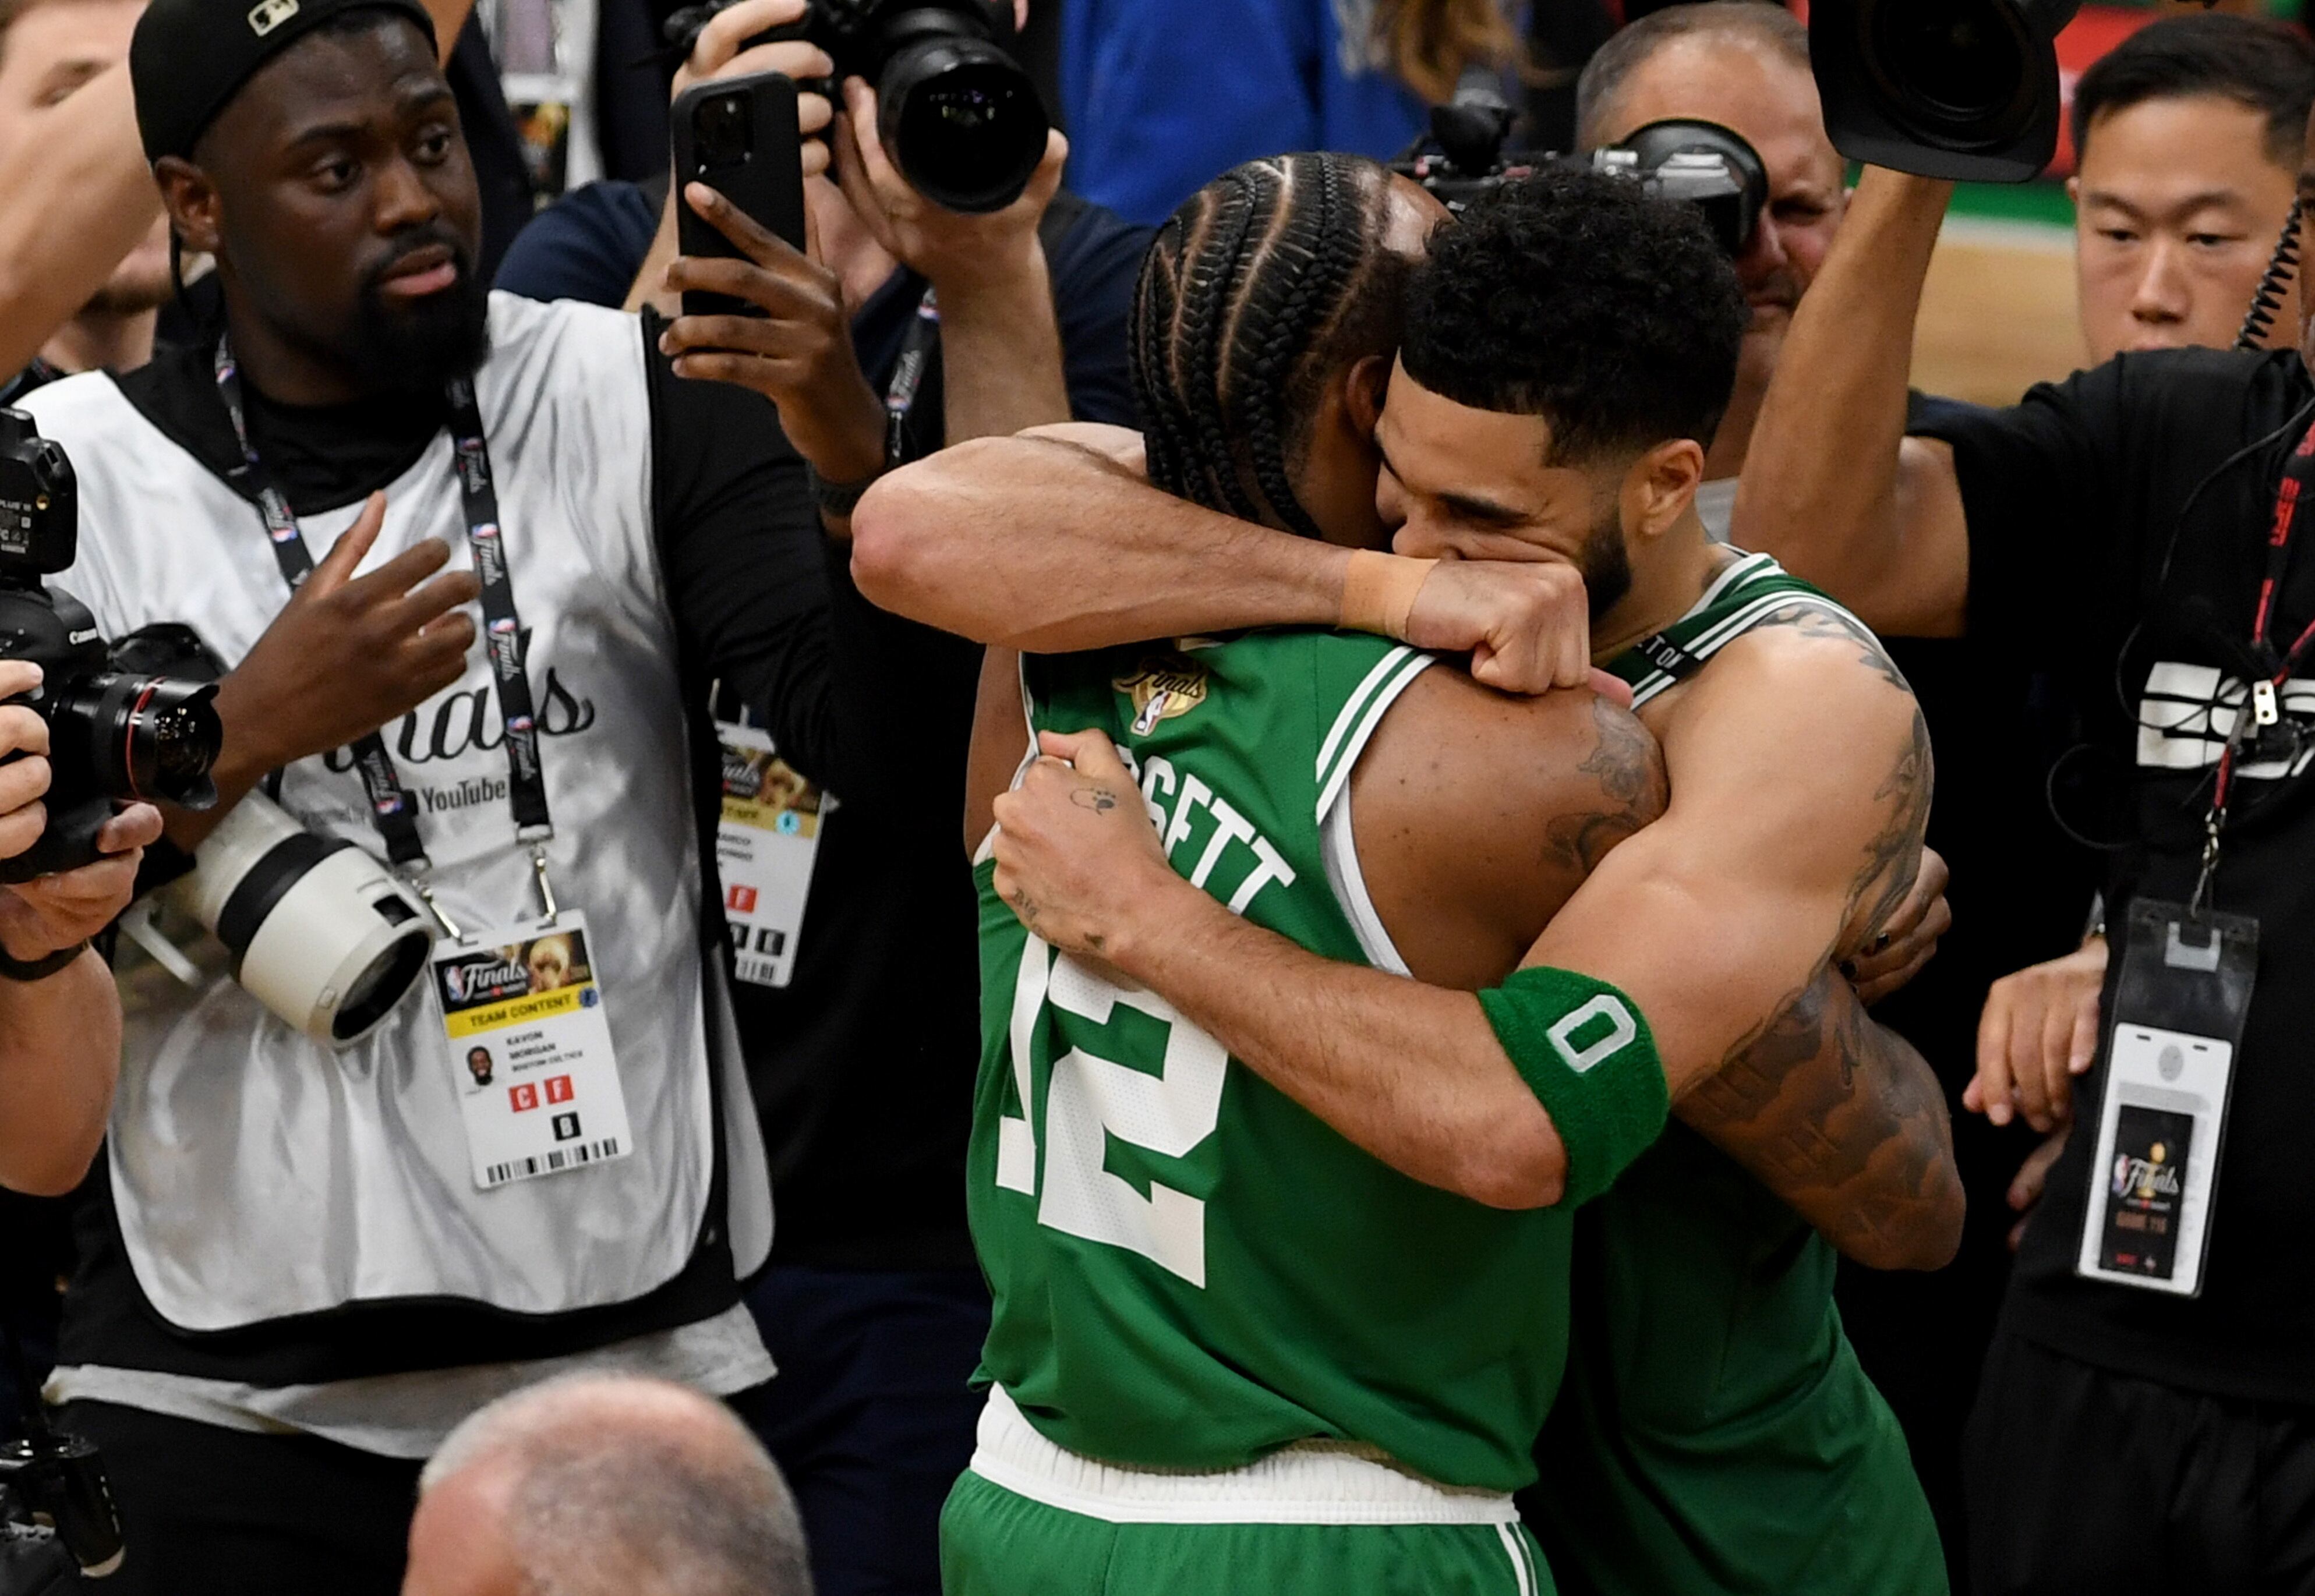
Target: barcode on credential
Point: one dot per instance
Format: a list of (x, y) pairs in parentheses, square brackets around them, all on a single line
[(762, 972), (589, 1152)]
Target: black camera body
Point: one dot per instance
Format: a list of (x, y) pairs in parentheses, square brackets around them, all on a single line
[(1961, 89), (1700, 163), (954, 111), (57, 1516), (33, 1562), (113, 735)]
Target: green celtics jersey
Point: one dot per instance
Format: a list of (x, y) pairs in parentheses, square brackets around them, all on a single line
[(1191, 1270), (1716, 1435)]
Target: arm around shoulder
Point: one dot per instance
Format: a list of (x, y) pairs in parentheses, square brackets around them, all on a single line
[(1047, 545), (1801, 790)]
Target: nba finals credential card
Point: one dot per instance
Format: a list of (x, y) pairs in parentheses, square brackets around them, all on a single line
[(765, 846), (530, 1052)]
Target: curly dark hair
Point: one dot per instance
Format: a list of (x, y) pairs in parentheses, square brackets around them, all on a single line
[(1578, 297), (1264, 284)]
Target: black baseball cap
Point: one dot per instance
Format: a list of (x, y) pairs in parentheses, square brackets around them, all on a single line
[(190, 57)]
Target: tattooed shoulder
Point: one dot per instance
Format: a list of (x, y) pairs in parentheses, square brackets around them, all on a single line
[(1809, 618), (1816, 657), (1624, 789)]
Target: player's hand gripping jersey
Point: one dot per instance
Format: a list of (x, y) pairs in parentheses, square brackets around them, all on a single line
[(1190, 1269)]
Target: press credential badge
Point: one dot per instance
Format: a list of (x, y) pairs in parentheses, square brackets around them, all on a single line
[(765, 847), (2178, 1013), (530, 1052)]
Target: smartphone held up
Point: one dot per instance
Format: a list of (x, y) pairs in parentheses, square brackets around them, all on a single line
[(739, 137)]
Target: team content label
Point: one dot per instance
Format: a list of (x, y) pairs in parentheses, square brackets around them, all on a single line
[(530, 1052)]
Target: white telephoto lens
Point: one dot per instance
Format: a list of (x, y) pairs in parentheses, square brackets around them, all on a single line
[(320, 932)]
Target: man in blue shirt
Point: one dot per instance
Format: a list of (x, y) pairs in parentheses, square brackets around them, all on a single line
[(1159, 98)]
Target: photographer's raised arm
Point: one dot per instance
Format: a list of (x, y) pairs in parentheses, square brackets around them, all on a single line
[(1831, 485), (76, 200), (1000, 340)]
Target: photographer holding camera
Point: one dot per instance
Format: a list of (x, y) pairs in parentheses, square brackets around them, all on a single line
[(59, 1018), (2150, 1400), (318, 1241), (905, 327)]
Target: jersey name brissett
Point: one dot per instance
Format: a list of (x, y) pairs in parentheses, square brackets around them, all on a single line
[(1189, 1269)]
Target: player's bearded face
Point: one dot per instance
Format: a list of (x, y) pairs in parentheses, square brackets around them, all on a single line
[(1606, 564)]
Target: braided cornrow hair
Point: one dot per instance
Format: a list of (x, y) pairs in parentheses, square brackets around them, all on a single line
[(1237, 318)]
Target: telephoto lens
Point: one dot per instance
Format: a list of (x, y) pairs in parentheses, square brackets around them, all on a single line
[(319, 931), (1961, 89), (960, 120), (1957, 68)]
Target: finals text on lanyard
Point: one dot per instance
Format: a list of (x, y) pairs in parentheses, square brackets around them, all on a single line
[(393, 807)]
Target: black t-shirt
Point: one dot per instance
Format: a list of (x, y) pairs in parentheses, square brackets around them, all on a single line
[(863, 1066), (740, 553), (2080, 559)]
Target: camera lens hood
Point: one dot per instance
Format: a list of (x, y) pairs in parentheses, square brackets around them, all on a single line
[(959, 117), (320, 932)]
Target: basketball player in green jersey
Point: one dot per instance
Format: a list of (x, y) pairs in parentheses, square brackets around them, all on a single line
[(1719, 1434), (1225, 1338)]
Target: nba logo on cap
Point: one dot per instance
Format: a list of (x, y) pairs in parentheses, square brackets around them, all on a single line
[(269, 14)]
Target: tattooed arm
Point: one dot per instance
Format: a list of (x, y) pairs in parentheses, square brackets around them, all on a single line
[(1844, 1121), (1801, 769), (1799, 786)]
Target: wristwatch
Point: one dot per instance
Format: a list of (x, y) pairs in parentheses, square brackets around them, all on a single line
[(17, 970), (837, 499)]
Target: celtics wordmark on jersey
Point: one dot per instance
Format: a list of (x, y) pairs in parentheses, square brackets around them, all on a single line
[(1190, 1270)]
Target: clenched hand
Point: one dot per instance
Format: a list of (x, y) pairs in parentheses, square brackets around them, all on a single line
[(1526, 626), (1077, 856)]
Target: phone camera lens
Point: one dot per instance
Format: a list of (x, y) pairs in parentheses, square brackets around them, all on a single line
[(723, 130)]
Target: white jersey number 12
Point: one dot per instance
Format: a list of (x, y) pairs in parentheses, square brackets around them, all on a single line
[(1092, 1098)]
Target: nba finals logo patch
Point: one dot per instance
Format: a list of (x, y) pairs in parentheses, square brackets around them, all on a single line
[(270, 14), (1165, 686)]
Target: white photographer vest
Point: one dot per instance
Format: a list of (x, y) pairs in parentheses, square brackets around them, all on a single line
[(259, 1175)]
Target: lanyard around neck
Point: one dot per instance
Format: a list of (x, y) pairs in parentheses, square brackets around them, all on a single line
[(908, 376), (2264, 708), (392, 808)]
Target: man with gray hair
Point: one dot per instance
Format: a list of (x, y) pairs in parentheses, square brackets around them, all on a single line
[(605, 1486), (1744, 64)]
